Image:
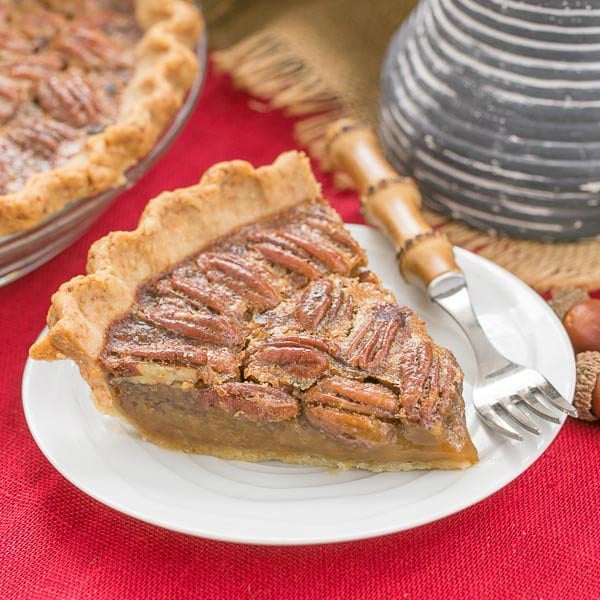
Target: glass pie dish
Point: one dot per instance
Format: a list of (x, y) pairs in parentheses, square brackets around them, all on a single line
[(22, 252)]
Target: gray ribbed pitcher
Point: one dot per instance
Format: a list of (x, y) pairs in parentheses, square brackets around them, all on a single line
[(494, 107)]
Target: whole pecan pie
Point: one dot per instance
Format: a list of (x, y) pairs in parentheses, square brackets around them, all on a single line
[(239, 319), (86, 89)]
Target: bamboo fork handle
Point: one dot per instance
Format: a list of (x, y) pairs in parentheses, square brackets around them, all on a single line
[(390, 202)]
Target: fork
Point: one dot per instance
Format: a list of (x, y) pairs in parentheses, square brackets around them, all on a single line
[(506, 394)]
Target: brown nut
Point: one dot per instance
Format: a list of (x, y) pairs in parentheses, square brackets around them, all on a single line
[(587, 390), (582, 323), (563, 299), (595, 407)]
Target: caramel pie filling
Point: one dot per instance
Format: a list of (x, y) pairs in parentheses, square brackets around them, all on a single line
[(275, 342)]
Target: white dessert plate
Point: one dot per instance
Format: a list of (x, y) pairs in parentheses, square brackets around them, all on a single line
[(274, 503)]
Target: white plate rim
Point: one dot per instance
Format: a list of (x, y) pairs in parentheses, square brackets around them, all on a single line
[(210, 533)]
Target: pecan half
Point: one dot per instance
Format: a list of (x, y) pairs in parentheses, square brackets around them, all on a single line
[(370, 343), (4, 176), (451, 379), (201, 291), (246, 279), (255, 402), (8, 89), (430, 392), (349, 427), (441, 387), (329, 256), (207, 328), (354, 396), (297, 361), (337, 233), (69, 99), (12, 41), (88, 47), (40, 25), (314, 303), (33, 68), (322, 304), (43, 138), (131, 337), (8, 106), (288, 260), (301, 340), (415, 360), (280, 251), (368, 276), (163, 351)]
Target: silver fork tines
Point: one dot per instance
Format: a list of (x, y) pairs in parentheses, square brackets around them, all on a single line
[(518, 415), (505, 393)]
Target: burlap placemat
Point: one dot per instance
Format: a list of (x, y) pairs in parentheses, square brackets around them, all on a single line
[(320, 60)]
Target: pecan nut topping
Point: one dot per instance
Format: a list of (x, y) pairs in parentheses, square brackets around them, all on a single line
[(350, 427), (167, 351), (208, 328), (303, 337), (302, 340), (250, 281), (275, 247), (337, 234), (33, 68), (11, 41), (255, 402), (87, 47), (288, 260), (299, 362), (355, 396), (9, 96), (69, 99), (370, 343), (43, 138), (415, 364), (322, 304), (352, 411), (329, 256), (137, 339), (199, 291), (311, 249), (314, 304)]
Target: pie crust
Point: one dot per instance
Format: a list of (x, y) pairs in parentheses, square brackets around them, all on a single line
[(212, 329), (165, 66)]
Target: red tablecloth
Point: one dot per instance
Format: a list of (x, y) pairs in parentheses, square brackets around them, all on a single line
[(537, 538)]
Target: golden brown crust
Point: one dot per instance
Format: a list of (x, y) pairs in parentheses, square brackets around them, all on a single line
[(166, 67), (173, 226), (307, 459)]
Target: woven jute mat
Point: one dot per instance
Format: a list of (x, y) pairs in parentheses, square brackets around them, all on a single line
[(320, 60)]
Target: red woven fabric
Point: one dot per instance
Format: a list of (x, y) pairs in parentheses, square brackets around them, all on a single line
[(537, 538)]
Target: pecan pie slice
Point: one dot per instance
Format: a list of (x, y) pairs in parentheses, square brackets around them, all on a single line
[(239, 320), (86, 89)]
